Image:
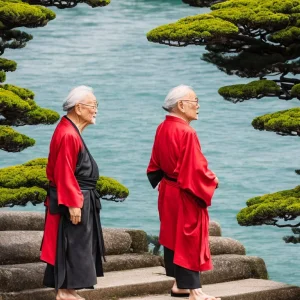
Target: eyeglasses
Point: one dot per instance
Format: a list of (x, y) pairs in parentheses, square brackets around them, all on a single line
[(92, 106), (196, 100)]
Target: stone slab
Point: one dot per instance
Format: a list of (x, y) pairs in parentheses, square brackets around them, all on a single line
[(214, 229), (230, 267), (14, 278), (226, 268), (17, 247), (149, 281), (113, 286), (139, 240), (224, 245), (116, 241), (248, 289), (19, 220)]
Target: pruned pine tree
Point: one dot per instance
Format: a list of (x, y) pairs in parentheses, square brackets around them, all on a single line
[(27, 182)]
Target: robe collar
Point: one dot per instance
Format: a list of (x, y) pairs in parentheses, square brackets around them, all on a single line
[(68, 121), (173, 118)]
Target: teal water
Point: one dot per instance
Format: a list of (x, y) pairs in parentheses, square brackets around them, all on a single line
[(107, 49)]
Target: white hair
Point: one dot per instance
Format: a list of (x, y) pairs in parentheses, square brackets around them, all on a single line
[(174, 95), (76, 94)]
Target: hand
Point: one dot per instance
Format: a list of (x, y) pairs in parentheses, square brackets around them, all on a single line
[(217, 181), (75, 215)]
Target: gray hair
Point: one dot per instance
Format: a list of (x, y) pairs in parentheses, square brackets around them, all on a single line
[(76, 94), (174, 95)]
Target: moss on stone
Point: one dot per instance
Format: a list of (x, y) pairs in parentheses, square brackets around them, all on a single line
[(267, 208), (13, 141)]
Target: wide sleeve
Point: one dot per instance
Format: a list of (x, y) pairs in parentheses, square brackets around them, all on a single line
[(68, 190), (154, 173), (192, 168)]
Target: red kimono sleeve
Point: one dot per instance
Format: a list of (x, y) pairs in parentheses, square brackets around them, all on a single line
[(193, 173), (68, 190), (154, 173)]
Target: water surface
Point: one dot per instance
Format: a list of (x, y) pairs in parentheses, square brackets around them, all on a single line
[(107, 49)]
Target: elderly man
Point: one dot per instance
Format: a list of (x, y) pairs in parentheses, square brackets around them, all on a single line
[(185, 191), (73, 244)]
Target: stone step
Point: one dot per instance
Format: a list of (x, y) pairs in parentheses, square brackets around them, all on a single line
[(229, 267), (149, 281), (18, 247), (226, 268), (14, 278), (247, 289), (34, 221)]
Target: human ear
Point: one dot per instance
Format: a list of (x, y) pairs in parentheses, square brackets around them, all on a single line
[(78, 109), (180, 106)]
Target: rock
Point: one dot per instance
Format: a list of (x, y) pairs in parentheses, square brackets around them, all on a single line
[(131, 261), (214, 229), (139, 240), (20, 246), (117, 241), (15, 278), (223, 245), (20, 220), (229, 267)]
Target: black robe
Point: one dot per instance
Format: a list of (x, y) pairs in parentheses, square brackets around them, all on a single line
[(79, 248)]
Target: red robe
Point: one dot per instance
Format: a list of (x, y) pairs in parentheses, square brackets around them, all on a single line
[(65, 146), (184, 223)]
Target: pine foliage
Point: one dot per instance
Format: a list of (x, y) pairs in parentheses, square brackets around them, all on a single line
[(28, 183)]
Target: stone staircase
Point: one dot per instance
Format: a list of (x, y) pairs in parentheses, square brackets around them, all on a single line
[(130, 271)]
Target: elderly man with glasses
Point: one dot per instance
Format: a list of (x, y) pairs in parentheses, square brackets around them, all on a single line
[(73, 244), (186, 188)]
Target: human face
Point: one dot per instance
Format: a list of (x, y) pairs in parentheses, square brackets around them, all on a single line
[(89, 109), (190, 106)]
